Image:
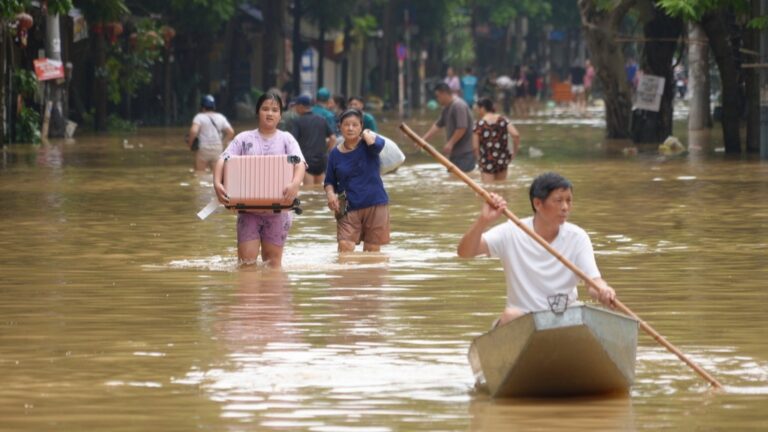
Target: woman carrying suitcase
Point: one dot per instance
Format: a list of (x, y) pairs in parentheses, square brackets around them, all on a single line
[(263, 233)]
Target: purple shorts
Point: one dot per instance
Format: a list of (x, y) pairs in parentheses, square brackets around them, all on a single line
[(270, 228)]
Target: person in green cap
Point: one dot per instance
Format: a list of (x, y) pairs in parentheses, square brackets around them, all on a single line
[(323, 95)]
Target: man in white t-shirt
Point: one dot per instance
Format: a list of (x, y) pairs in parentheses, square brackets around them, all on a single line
[(534, 276), (213, 131)]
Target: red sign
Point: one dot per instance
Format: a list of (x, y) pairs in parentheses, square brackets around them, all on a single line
[(47, 69)]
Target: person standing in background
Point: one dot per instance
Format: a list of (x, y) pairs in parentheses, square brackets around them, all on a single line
[(490, 142), (452, 80), (469, 87), (339, 104), (356, 102), (322, 101), (456, 118), (589, 77), (212, 130), (289, 116), (577, 88), (315, 138)]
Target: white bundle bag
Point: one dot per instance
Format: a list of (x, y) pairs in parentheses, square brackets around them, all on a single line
[(391, 156)]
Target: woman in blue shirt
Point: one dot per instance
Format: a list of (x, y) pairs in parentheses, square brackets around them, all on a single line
[(354, 187)]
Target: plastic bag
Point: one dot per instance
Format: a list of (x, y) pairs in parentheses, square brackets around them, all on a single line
[(391, 156)]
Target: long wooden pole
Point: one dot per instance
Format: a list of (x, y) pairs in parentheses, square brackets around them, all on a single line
[(616, 303)]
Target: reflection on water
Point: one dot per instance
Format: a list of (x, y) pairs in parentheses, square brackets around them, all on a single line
[(603, 414), (123, 311)]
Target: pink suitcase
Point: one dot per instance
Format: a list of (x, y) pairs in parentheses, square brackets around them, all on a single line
[(256, 183)]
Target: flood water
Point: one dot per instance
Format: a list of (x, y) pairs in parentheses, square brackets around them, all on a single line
[(121, 311)]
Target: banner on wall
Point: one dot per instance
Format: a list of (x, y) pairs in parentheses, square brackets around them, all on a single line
[(48, 69)]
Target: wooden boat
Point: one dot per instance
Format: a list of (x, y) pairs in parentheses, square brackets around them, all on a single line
[(581, 351)]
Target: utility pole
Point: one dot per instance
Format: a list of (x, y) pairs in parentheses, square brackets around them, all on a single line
[(55, 88), (763, 80), (345, 58), (408, 61), (297, 47)]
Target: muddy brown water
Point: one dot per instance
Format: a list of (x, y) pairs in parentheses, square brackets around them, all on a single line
[(121, 311)]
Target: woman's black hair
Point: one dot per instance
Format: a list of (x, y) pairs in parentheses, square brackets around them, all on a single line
[(270, 95), (351, 112), (341, 102), (544, 184), (486, 104)]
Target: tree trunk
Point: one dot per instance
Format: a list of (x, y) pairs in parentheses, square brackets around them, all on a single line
[(662, 31), (600, 30), (321, 56), (345, 60), (273, 22), (717, 27), (3, 80), (231, 50), (297, 47), (752, 87), (100, 83), (388, 75), (699, 115), (167, 86)]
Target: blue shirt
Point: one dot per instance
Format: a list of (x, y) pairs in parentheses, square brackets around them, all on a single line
[(468, 86), (328, 116), (357, 174)]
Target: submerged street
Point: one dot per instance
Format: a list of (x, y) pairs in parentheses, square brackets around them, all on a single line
[(122, 311)]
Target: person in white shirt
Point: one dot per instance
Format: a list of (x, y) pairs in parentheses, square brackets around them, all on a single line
[(212, 130), (534, 276)]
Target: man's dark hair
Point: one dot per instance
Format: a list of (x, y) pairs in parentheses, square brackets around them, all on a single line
[(544, 184), (443, 88)]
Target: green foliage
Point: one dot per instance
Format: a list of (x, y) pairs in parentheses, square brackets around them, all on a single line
[(329, 12), (564, 14), (363, 26), (758, 23), (28, 126), (102, 10), (129, 68), (60, 7), (9, 8), (116, 123), (25, 82), (501, 12), (459, 47), (200, 16), (693, 9)]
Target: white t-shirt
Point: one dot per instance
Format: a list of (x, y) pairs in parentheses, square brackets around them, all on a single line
[(210, 132), (533, 273)]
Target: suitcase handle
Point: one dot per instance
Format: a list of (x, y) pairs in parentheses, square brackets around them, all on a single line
[(276, 208), (293, 159)]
